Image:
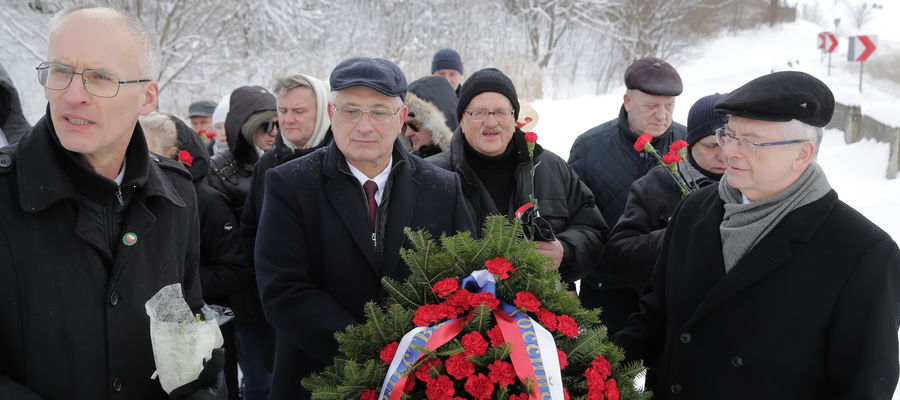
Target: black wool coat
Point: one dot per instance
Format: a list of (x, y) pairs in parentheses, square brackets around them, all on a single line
[(810, 312), (316, 263), (72, 317)]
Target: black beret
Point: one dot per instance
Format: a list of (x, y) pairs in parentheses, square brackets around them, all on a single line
[(487, 80), (654, 76), (781, 96), (375, 73), (203, 108)]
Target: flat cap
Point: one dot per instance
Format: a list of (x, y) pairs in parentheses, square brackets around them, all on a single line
[(374, 73), (780, 97), (654, 76), (203, 108)]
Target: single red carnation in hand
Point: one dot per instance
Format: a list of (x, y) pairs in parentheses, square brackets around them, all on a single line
[(612, 390), (445, 286), (531, 137), (527, 301), (458, 366), (387, 353), (440, 388), (567, 326), (496, 336), (210, 135), (486, 298), (428, 370), (474, 343), (500, 266), (563, 358), (601, 364), (642, 141), (368, 394), (678, 145), (185, 157), (671, 157), (502, 373), (548, 319), (480, 387)]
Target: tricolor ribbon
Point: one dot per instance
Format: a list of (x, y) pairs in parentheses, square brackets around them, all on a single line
[(533, 352)]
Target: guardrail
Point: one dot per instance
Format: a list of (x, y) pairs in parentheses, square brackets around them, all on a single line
[(857, 126)]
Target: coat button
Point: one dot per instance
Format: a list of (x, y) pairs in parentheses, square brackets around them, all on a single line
[(117, 385), (685, 338), (737, 361), (114, 299), (5, 161), (675, 388)]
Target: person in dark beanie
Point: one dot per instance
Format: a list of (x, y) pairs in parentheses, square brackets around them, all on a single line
[(432, 116), (332, 221), (12, 120), (491, 156), (448, 64), (636, 239), (605, 159), (768, 286)]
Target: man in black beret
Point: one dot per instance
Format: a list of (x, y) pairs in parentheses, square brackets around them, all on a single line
[(605, 159), (768, 286), (490, 154), (332, 221)]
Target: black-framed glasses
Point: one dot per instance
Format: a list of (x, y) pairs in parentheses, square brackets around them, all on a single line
[(353, 113), (724, 138), (413, 125), (268, 126), (479, 115), (56, 76)]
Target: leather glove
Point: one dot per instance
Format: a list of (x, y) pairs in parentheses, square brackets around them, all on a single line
[(210, 382)]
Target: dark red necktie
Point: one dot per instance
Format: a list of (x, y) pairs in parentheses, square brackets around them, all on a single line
[(371, 187)]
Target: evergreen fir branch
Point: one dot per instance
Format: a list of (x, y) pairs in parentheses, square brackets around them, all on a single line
[(481, 317), (393, 289)]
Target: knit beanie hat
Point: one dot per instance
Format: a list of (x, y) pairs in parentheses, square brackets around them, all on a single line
[(487, 80), (702, 122), (446, 59)]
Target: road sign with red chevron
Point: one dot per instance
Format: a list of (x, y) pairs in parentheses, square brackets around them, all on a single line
[(831, 42), (861, 47)]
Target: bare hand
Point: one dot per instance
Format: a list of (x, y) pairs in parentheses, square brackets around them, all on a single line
[(554, 250)]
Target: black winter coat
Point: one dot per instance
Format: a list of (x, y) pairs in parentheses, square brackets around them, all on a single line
[(636, 240), (564, 201), (810, 312), (316, 265), (72, 317)]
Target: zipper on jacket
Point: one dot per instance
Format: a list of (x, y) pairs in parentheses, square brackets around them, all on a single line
[(374, 241), (119, 195)]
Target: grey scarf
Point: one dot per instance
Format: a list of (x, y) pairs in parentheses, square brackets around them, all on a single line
[(745, 225)]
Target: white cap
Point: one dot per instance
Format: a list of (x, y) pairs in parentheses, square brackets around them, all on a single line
[(221, 112)]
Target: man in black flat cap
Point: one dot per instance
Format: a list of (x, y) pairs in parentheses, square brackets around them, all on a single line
[(768, 286), (332, 221), (605, 159)]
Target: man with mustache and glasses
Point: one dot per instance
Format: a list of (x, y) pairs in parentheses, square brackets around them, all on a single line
[(768, 286), (490, 154), (332, 221), (92, 225)]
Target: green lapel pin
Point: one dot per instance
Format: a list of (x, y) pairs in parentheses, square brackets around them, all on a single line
[(129, 239)]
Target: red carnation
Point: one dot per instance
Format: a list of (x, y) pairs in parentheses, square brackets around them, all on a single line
[(596, 384), (671, 157), (520, 124), (642, 141), (484, 297), (496, 336), (612, 390), (548, 319), (210, 135), (369, 394), (563, 358), (440, 388), (460, 298), (520, 396), (528, 119), (445, 286), (678, 145), (479, 386), (474, 343), (410, 385), (601, 364), (185, 157), (531, 137), (429, 313), (387, 353), (527, 301), (424, 372), (500, 266), (458, 366), (502, 373), (567, 326), (565, 394)]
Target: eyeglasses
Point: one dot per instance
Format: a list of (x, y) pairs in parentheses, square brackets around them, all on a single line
[(55, 76), (352, 113), (268, 126), (724, 139), (481, 115), (414, 126)]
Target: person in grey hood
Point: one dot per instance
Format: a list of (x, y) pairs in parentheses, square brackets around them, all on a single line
[(432, 115), (12, 120)]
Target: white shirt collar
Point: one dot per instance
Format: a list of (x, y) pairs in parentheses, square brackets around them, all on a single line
[(121, 174), (745, 199), (380, 179)]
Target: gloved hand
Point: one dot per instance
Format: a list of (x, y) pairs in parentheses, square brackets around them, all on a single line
[(210, 382)]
